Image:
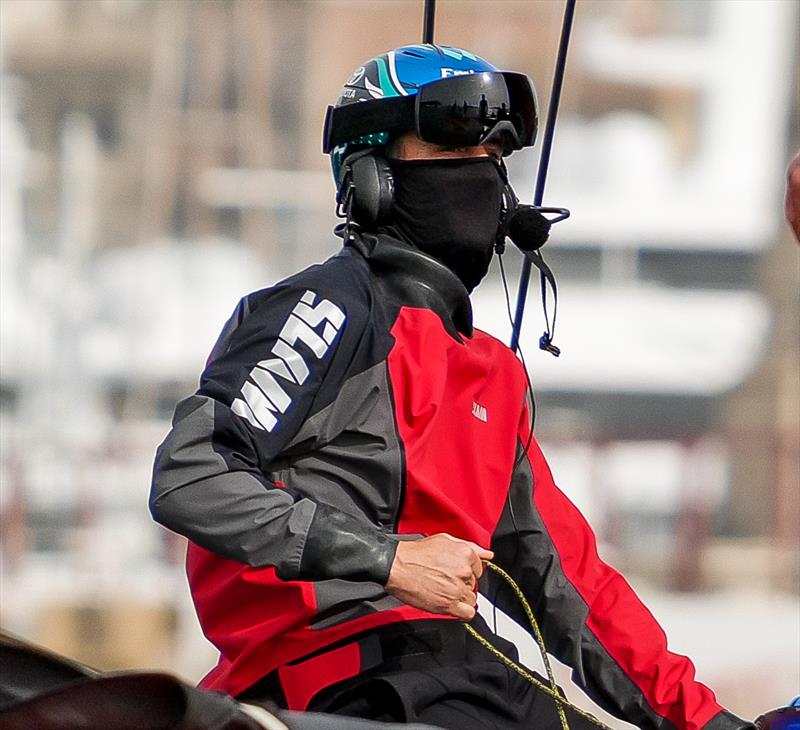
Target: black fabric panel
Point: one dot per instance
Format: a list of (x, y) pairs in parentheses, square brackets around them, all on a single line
[(439, 674), (728, 721), (405, 276), (242, 310), (343, 281)]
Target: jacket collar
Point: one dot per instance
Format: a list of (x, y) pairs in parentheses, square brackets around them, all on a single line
[(416, 279)]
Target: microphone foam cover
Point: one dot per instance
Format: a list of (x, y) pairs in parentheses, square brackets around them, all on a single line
[(528, 228)]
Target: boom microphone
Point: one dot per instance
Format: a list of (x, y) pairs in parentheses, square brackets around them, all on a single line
[(528, 228)]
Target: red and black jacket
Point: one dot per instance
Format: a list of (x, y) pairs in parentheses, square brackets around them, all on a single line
[(353, 403)]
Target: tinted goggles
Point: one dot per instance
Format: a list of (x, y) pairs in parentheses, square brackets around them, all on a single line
[(457, 111)]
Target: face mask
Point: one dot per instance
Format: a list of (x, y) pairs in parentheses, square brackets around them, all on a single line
[(450, 209)]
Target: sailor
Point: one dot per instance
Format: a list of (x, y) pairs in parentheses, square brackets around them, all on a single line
[(357, 448)]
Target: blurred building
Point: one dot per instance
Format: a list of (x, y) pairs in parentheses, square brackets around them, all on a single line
[(160, 159)]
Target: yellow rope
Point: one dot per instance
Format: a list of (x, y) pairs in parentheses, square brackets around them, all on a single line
[(553, 690)]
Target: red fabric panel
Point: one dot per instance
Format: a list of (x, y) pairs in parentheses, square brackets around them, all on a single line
[(456, 408), (620, 621), (230, 598), (259, 622), (300, 682)]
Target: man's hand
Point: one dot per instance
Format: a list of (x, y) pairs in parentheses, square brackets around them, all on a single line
[(438, 574)]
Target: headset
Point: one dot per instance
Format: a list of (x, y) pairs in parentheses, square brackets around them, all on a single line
[(365, 195), (365, 188), (366, 192)]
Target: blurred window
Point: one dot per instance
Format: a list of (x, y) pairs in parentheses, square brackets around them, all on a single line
[(9, 397), (689, 270), (230, 221), (578, 264), (50, 530), (106, 125)]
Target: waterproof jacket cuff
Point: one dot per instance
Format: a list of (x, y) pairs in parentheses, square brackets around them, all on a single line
[(339, 545)]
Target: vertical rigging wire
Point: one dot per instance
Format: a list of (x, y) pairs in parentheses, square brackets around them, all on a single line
[(544, 160)]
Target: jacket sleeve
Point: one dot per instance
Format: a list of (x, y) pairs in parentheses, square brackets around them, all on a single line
[(276, 356), (590, 617)]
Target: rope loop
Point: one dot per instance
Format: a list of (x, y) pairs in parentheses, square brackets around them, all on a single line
[(553, 690)]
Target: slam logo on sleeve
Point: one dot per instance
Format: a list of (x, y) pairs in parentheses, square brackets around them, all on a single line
[(263, 396)]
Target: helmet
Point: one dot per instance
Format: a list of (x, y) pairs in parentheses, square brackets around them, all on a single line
[(371, 107)]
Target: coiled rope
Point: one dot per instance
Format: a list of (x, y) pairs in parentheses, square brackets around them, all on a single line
[(553, 690)]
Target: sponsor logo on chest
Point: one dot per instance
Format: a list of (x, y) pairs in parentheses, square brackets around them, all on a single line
[(263, 397), (480, 412)]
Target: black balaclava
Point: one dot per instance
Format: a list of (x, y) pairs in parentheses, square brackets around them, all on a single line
[(450, 209)]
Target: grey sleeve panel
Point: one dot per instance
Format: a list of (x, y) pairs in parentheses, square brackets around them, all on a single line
[(187, 454), (349, 454), (524, 547), (243, 517), (232, 513)]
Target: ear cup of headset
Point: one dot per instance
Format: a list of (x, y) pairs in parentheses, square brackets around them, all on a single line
[(371, 187)]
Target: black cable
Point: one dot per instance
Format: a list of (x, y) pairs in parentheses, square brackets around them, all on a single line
[(524, 365), (524, 453)]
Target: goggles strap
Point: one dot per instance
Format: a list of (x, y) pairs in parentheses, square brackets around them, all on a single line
[(351, 121)]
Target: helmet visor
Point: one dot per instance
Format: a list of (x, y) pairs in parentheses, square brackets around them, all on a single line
[(464, 111), (456, 111)]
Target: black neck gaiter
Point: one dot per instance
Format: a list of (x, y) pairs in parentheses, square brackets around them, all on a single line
[(450, 209)]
